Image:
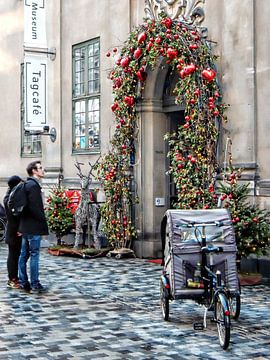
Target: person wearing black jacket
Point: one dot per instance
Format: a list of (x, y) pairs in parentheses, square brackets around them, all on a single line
[(12, 237), (33, 224)]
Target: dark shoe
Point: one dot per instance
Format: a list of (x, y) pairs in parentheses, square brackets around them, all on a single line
[(39, 289), (13, 284), (26, 287)]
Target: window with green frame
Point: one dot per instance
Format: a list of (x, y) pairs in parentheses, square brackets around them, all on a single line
[(30, 144), (86, 96)]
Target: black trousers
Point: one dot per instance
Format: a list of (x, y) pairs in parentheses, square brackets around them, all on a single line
[(14, 251)]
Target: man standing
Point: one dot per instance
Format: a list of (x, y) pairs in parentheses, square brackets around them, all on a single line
[(33, 224)]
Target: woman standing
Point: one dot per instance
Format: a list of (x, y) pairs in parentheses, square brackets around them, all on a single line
[(13, 238)]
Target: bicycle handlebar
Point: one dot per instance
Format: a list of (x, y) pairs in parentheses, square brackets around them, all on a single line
[(194, 224), (212, 249)]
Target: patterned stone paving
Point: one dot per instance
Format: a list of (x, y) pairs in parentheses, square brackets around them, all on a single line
[(109, 309)]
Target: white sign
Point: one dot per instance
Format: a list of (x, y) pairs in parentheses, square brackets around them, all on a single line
[(35, 23), (35, 76), (159, 201)]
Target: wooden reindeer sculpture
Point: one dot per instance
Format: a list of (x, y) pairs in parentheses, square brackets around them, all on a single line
[(87, 211)]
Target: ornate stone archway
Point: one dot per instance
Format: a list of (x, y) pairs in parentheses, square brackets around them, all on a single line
[(139, 102)]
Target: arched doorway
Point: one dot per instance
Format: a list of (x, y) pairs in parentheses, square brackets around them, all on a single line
[(158, 115), (175, 115)]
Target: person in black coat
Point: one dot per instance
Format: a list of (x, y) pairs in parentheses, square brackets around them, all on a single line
[(33, 224), (12, 237)]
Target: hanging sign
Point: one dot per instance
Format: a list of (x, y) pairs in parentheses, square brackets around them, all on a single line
[(35, 76), (35, 23)]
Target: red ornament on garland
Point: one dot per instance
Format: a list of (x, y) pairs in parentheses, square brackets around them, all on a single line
[(114, 107), (137, 53), (125, 61), (129, 100), (172, 53), (142, 37), (167, 22), (209, 74)]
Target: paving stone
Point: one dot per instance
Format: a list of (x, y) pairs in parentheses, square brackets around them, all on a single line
[(109, 309)]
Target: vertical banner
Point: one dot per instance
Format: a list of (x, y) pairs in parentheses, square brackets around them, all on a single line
[(35, 23), (35, 77)]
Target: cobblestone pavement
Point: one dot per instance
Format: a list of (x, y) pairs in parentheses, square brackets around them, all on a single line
[(109, 309)]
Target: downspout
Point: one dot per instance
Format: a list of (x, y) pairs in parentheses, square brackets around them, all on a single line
[(60, 81), (255, 98)]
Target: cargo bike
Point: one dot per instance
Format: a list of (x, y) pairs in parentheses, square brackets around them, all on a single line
[(199, 263)]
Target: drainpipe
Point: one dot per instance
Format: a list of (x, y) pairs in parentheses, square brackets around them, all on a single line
[(60, 81), (255, 99)]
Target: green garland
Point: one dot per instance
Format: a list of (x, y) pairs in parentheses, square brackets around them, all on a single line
[(192, 148)]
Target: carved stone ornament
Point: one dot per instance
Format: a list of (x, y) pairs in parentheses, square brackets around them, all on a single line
[(185, 10)]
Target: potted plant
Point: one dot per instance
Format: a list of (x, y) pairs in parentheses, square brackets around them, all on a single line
[(59, 214)]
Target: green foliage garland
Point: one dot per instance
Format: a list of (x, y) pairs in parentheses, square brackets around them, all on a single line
[(192, 146)]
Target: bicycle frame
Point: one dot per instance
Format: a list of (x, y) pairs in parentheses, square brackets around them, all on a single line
[(212, 281)]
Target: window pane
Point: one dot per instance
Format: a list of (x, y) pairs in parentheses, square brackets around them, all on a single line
[(96, 48), (86, 83), (31, 144), (93, 116), (96, 62), (91, 75), (79, 55), (90, 50), (91, 86)]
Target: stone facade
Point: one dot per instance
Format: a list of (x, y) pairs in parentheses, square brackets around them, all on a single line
[(237, 31)]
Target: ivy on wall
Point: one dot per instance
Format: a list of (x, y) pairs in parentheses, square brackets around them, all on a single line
[(192, 147)]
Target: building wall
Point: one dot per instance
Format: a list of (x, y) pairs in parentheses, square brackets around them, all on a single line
[(238, 33)]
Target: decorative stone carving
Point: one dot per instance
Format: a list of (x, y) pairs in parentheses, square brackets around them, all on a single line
[(185, 10)]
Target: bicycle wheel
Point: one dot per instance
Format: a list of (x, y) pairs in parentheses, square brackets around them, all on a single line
[(2, 229), (235, 306), (164, 301), (222, 318)]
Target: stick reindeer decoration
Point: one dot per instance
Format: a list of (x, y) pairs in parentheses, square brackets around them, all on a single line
[(87, 211)]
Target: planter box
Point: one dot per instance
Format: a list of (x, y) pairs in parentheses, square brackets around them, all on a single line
[(260, 265)]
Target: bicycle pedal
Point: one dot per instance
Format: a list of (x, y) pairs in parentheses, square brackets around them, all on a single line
[(198, 326)]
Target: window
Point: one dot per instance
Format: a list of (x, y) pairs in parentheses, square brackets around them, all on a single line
[(86, 96), (30, 144)]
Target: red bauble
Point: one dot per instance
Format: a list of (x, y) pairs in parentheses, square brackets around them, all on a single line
[(125, 61), (172, 53), (142, 37), (141, 75), (117, 83), (209, 74), (137, 53), (167, 22), (193, 46), (149, 45), (187, 70), (158, 40), (114, 107), (129, 100)]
